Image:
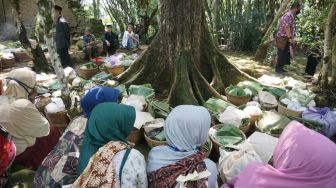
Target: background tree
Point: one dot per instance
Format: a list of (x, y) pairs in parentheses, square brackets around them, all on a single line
[(261, 52), (182, 61), (328, 38), (46, 10), (39, 59)]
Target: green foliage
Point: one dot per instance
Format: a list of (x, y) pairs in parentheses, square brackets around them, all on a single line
[(310, 26)]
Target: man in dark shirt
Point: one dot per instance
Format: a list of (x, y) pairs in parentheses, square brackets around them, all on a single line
[(110, 41), (62, 37)]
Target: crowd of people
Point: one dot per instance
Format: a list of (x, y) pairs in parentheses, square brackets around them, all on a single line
[(91, 47), (94, 150)]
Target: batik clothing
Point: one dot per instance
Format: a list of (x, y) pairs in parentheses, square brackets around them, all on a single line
[(166, 176), (60, 166), (99, 172), (286, 20), (186, 130), (88, 39), (302, 158)]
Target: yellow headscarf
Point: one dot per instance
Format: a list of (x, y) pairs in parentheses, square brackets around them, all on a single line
[(16, 89)]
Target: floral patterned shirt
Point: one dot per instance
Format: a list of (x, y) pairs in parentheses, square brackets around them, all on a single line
[(286, 20)]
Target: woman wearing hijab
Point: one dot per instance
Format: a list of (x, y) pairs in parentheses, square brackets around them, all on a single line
[(106, 159), (31, 133), (60, 166), (182, 162), (302, 158)]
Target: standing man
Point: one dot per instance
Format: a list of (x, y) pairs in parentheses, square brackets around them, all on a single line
[(110, 41), (286, 33), (62, 37)]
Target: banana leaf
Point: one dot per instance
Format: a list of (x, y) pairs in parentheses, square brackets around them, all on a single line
[(255, 87), (55, 85), (228, 134), (148, 93), (121, 88), (277, 92), (159, 109), (101, 76), (216, 105), (311, 124), (271, 122)]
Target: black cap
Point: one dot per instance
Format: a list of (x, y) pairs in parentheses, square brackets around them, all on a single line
[(58, 8)]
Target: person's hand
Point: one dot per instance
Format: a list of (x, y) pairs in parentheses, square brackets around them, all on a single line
[(107, 43), (292, 41)]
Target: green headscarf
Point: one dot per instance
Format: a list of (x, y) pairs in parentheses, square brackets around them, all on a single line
[(108, 122)]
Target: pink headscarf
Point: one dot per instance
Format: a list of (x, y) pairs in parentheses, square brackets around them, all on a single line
[(303, 158)]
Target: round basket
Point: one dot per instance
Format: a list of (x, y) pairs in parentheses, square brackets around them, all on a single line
[(268, 107), (246, 128), (153, 143), (237, 100), (283, 110), (103, 68), (115, 71), (7, 63), (253, 119), (135, 136), (88, 73), (217, 145), (59, 119)]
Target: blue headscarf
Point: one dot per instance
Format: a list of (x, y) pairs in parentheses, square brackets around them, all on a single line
[(96, 96), (187, 128)]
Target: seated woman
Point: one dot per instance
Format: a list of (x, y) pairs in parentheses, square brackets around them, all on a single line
[(31, 133), (186, 130), (7, 155), (105, 150), (60, 166), (302, 158), (130, 39)]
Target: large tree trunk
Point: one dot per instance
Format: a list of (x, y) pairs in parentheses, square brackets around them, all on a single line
[(328, 31), (46, 10), (333, 63), (182, 62), (39, 59), (266, 40)]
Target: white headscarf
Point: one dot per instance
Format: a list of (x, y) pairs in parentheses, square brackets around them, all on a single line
[(186, 129), (14, 88)]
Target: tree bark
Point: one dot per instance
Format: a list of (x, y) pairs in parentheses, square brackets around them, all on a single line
[(333, 64), (183, 62), (330, 25), (39, 59), (46, 10), (261, 52)]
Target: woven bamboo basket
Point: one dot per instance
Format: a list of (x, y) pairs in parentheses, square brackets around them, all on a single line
[(153, 143), (88, 73), (283, 110), (253, 119), (217, 145), (237, 100), (135, 136), (115, 71), (245, 128), (59, 119), (7, 63)]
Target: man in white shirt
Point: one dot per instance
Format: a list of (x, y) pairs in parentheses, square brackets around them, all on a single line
[(130, 39)]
